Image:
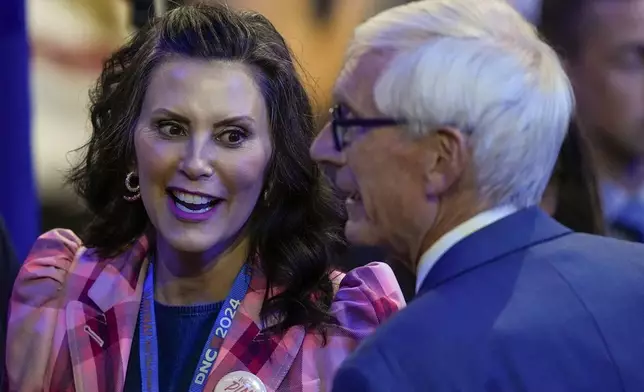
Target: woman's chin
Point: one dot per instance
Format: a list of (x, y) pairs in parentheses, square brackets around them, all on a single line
[(191, 242)]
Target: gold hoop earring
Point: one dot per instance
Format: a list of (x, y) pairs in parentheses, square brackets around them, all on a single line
[(133, 189)]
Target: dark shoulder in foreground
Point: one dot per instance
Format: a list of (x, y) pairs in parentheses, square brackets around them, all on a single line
[(9, 266), (561, 315)]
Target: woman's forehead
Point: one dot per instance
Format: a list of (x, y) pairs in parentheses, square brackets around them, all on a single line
[(205, 87)]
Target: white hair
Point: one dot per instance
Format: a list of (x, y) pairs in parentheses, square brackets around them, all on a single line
[(479, 66)]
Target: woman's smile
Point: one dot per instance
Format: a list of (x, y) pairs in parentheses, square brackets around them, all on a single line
[(192, 207)]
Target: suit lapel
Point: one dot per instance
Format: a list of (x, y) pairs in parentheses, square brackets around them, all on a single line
[(101, 324), (246, 348), (517, 231)]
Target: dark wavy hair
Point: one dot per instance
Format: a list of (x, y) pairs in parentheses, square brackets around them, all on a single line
[(297, 231)]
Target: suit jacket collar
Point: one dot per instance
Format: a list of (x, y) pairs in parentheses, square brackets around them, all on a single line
[(101, 325), (522, 229)]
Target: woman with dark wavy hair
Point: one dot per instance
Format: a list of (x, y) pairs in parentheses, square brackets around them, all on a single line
[(206, 262)]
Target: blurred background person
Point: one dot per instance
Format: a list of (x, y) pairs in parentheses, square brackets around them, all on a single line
[(203, 201), (602, 45), (572, 195), (18, 201)]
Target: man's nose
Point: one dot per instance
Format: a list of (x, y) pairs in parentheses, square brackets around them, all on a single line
[(323, 149)]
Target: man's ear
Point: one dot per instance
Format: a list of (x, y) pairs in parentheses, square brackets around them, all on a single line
[(446, 161)]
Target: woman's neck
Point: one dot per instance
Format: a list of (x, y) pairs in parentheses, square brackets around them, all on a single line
[(190, 279)]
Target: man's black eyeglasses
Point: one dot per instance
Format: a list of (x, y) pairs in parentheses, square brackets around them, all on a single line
[(340, 125)]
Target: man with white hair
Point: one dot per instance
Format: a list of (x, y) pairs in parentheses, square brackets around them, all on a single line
[(449, 119)]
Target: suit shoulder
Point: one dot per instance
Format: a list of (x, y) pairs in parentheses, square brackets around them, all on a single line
[(595, 248), (593, 262), (395, 357)]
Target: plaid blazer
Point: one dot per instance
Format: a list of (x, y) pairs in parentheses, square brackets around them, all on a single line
[(73, 316)]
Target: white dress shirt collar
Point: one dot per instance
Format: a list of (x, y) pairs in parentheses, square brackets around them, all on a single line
[(452, 237)]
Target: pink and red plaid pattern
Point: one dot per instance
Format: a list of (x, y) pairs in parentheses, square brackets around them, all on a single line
[(73, 317)]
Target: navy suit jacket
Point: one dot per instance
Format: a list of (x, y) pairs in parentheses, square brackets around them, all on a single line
[(521, 305)]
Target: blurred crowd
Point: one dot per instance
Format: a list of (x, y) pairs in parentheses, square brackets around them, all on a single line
[(69, 39)]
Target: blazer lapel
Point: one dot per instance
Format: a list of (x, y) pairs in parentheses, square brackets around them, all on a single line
[(246, 348), (101, 323), (517, 231)]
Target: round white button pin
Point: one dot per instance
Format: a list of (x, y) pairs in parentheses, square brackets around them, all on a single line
[(240, 381)]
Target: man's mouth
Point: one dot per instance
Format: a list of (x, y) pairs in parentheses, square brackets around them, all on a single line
[(192, 203)]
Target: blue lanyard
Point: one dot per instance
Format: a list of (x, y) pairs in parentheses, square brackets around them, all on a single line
[(149, 351)]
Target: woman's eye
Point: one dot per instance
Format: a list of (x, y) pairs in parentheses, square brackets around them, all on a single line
[(170, 128), (233, 136)]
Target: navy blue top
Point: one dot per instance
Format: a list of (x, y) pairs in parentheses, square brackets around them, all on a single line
[(182, 332)]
